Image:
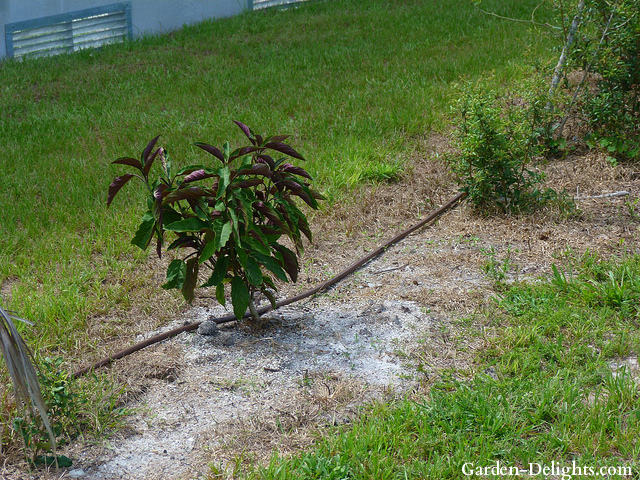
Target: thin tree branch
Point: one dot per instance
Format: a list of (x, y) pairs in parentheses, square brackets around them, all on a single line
[(557, 72), (587, 70)]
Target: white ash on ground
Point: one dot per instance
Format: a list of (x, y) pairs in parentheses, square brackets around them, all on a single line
[(237, 374)]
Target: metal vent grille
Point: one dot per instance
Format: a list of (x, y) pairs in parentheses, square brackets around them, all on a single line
[(69, 32), (258, 4)]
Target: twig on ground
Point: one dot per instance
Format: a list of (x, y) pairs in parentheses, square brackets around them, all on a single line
[(386, 270), (622, 193)]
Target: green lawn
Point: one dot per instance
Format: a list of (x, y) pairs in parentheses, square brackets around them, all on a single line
[(356, 82), (544, 391)]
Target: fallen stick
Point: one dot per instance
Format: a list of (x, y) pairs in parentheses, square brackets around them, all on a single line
[(387, 270), (323, 286), (622, 193)]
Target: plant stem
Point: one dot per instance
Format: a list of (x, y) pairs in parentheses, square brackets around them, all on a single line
[(254, 312)]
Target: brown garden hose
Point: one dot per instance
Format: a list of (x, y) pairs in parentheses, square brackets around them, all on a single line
[(323, 286)]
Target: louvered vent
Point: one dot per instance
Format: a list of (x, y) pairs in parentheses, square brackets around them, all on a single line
[(258, 4), (69, 32)]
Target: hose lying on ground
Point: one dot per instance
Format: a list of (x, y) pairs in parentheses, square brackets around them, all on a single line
[(323, 286)]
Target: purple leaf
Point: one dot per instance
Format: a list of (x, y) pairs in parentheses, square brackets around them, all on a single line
[(116, 185), (271, 215), (241, 152), (305, 196), (266, 159), (149, 162), (257, 169), (197, 175), (246, 130), (184, 193), (290, 261), (303, 226), (132, 162), (147, 151), (216, 152), (247, 183), (160, 192), (284, 148), (293, 186), (287, 167)]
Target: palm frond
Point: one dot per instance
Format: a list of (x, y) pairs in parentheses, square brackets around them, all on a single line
[(23, 374)]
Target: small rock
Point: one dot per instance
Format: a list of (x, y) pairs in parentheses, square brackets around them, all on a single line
[(208, 327), (77, 473), (227, 339)]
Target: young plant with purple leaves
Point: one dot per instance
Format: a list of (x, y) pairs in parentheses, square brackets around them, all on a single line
[(230, 215)]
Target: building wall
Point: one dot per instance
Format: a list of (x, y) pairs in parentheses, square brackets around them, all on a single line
[(147, 16)]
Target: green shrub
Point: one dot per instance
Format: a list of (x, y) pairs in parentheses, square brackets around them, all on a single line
[(498, 140), (230, 215)]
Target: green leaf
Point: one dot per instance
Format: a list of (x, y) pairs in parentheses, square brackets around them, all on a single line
[(268, 281), (190, 280), (169, 216), (224, 235), (220, 294), (200, 209), (145, 231), (224, 174), (209, 249), (254, 274), (219, 272), (191, 224), (239, 297), (273, 265), (176, 273), (256, 245)]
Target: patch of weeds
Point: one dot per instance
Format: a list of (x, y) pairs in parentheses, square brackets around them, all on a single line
[(497, 270), (468, 239), (632, 208), (378, 173), (75, 407)]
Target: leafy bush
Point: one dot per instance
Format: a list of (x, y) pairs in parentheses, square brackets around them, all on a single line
[(608, 49), (497, 142), (230, 215), (74, 407)]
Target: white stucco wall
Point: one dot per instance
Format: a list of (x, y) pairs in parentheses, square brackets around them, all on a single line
[(147, 16)]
